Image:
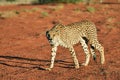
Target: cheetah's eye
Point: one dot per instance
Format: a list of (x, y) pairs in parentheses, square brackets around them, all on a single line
[(48, 35), (56, 30)]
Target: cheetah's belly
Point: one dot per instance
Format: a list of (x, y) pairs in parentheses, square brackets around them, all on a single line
[(69, 40)]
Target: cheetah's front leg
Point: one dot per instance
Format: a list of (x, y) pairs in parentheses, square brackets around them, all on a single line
[(53, 54), (74, 57)]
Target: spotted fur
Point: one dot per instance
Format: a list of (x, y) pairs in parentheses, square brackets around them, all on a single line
[(68, 35)]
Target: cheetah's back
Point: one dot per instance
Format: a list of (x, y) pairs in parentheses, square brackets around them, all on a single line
[(71, 33)]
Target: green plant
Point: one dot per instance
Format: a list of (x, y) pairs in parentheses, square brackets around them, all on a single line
[(26, 10), (72, 1), (90, 9), (16, 12), (35, 9), (58, 7), (30, 10), (10, 0), (44, 14), (12, 13), (59, 1)]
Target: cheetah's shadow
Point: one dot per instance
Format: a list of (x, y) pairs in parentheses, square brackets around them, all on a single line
[(29, 63)]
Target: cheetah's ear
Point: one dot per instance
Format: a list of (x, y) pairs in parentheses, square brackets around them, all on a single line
[(59, 25)]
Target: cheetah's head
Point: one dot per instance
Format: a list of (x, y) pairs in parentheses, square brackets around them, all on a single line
[(53, 34)]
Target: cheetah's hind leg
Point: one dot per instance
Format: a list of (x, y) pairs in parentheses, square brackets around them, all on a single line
[(100, 48), (92, 50)]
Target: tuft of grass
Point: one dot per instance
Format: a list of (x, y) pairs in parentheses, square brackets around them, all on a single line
[(90, 9), (71, 1), (8, 14), (9, 2), (26, 10), (16, 12), (58, 7), (30, 10), (12, 13), (44, 14), (0, 14), (77, 10), (35, 9), (74, 1), (110, 20)]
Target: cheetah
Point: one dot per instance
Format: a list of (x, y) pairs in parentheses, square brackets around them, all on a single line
[(68, 35)]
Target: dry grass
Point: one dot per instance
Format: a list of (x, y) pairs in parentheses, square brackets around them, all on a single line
[(44, 14), (8, 14), (58, 7), (18, 2), (13, 13), (90, 9), (77, 10)]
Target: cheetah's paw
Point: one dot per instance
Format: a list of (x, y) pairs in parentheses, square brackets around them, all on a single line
[(48, 69), (84, 64)]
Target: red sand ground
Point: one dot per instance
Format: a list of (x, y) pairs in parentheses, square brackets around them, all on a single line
[(25, 51)]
